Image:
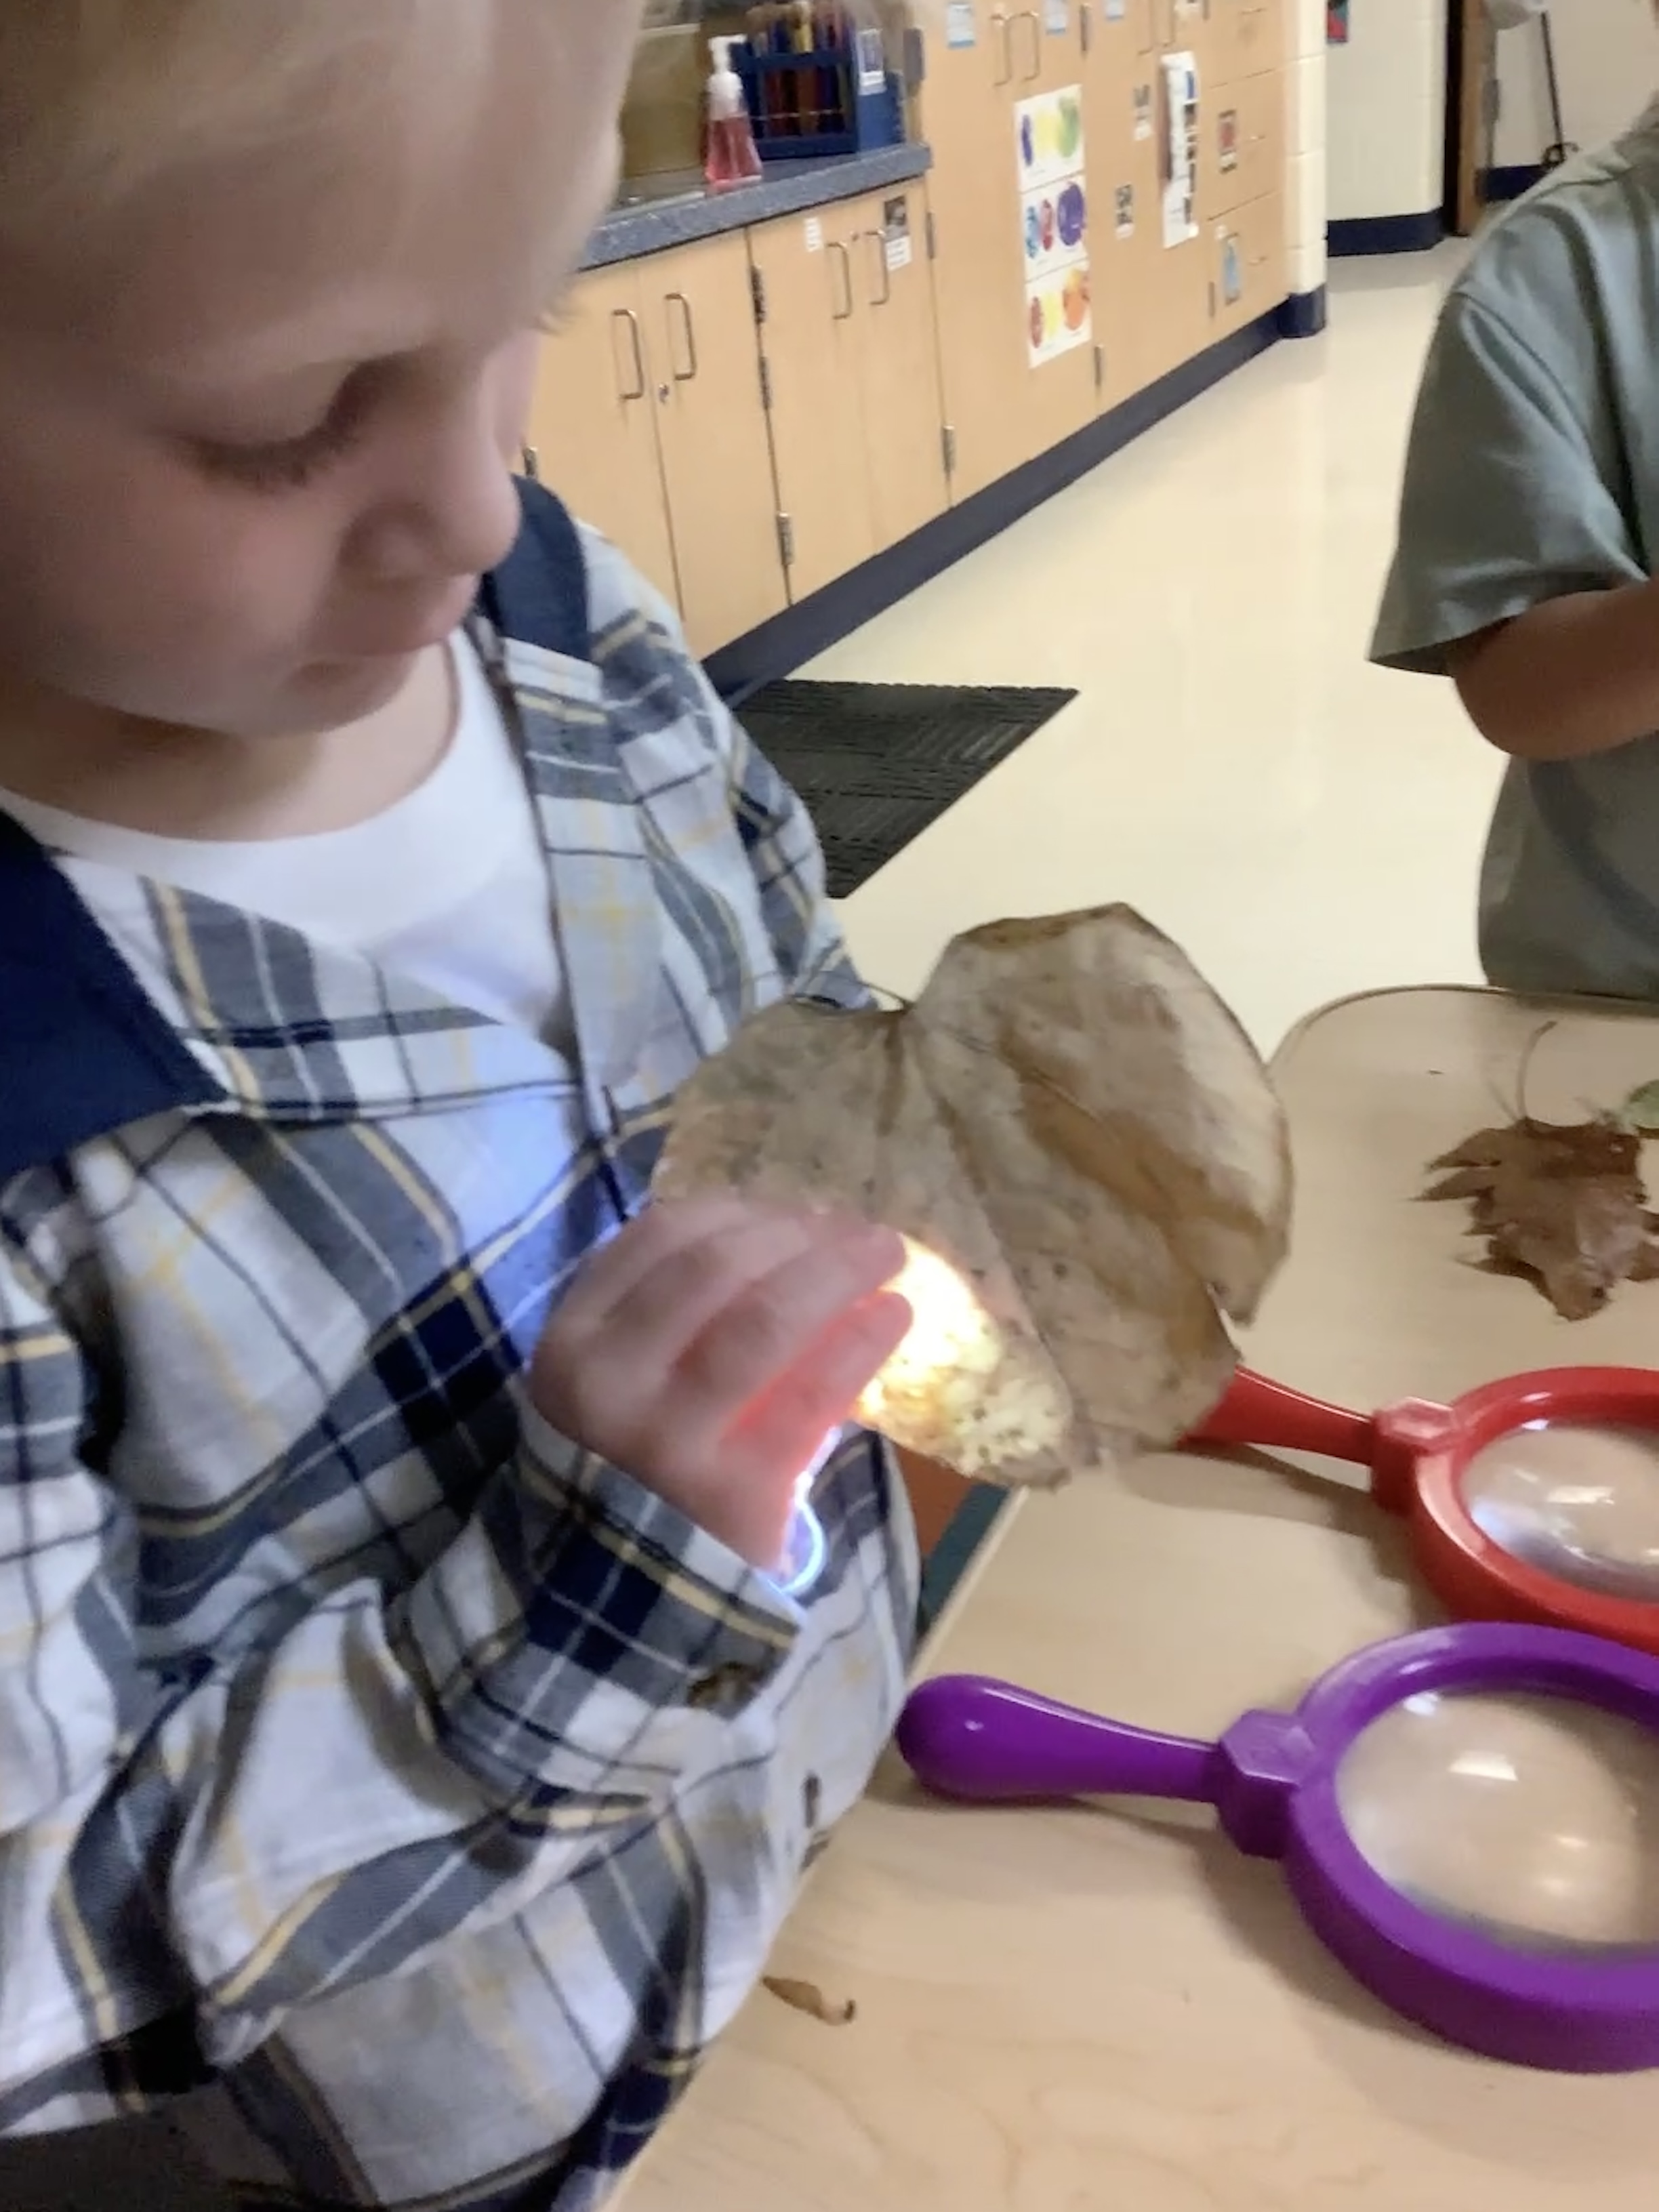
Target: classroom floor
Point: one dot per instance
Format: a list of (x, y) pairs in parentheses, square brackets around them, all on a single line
[(1306, 825)]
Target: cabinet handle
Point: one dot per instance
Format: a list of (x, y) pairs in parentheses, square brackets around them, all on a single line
[(1005, 26), (627, 316), (843, 314), (689, 328), (1030, 16), (879, 239)]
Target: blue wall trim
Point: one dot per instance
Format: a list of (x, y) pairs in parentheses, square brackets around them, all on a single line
[(802, 632), (1305, 314), (1384, 233), (1498, 186)]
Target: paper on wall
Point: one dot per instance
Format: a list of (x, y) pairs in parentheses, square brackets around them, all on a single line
[(1181, 128), (1050, 156)]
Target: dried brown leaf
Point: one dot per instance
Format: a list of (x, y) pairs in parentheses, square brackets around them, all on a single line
[(808, 1997), (1560, 1203), (1071, 1120)]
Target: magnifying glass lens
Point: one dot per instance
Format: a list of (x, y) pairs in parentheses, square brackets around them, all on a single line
[(1576, 1501), (1534, 1819)]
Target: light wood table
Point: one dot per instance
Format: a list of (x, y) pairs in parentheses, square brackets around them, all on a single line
[(1078, 2010)]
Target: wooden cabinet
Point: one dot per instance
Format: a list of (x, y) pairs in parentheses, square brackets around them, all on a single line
[(1261, 36), (593, 431), (716, 447), (897, 328), (648, 420), (1004, 405), (1230, 38), (1120, 96), (1243, 144), (809, 288), (752, 417), (966, 114), (850, 346), (1247, 264), (1063, 394)]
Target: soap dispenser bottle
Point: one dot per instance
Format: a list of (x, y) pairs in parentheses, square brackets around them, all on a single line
[(730, 157)]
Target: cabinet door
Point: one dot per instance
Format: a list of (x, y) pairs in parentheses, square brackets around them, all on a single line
[(717, 454), (813, 276), (903, 423), (1243, 141), (967, 118), (1247, 264), (1064, 388), (1261, 39), (1120, 116), (1193, 26), (1169, 294), (593, 431)]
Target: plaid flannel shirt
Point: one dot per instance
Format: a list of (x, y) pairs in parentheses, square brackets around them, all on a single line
[(415, 1781)]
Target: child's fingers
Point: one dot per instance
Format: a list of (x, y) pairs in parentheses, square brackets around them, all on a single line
[(709, 1306), (684, 1286), (784, 1429), (613, 1272), (767, 1330)]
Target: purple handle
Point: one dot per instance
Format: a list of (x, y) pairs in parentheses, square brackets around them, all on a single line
[(964, 1736)]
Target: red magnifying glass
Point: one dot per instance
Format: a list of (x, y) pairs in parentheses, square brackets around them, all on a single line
[(1534, 1499)]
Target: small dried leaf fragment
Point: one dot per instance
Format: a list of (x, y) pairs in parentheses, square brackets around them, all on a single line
[(1561, 1204), (1641, 1111), (1086, 1156), (808, 1997)]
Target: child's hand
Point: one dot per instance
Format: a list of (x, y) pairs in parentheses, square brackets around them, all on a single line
[(712, 1348)]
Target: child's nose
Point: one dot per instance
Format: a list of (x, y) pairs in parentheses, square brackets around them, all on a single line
[(452, 509)]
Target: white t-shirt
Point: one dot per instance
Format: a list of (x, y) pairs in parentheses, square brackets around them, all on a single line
[(450, 886)]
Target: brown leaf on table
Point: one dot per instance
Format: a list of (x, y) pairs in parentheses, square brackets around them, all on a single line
[(1071, 1122), (1561, 1204), (808, 1997)]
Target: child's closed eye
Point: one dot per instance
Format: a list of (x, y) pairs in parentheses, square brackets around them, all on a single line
[(289, 464)]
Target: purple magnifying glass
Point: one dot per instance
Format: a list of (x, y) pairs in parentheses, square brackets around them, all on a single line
[(1468, 1819)]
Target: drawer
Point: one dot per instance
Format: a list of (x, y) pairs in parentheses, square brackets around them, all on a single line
[(1241, 156), (1230, 38), (1259, 40), (1248, 265)]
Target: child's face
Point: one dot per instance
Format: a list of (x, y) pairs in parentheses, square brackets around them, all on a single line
[(256, 424)]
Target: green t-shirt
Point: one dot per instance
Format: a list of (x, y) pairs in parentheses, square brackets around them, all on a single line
[(1533, 473)]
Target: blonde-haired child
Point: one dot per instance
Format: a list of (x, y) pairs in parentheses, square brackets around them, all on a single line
[(424, 1676)]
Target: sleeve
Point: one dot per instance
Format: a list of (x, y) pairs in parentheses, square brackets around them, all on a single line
[(1510, 493), (227, 1844), (787, 865), (649, 661)]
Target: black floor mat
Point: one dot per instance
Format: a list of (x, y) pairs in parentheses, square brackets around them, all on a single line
[(876, 763)]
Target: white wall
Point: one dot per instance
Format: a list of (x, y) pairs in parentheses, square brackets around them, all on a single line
[(1386, 147), (1607, 54), (1306, 186)]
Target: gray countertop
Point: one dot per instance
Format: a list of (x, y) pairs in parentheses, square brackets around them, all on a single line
[(661, 212)]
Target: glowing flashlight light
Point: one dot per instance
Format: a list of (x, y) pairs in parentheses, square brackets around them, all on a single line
[(951, 1341)]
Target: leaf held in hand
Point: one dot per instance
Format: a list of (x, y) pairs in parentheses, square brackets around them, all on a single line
[(808, 1997), (1561, 1204), (1085, 1154)]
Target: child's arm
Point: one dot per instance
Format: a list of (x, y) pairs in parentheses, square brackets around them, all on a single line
[(1577, 676), (1517, 572), (226, 1843)]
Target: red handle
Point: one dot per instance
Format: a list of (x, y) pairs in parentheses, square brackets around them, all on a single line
[(1257, 1411)]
